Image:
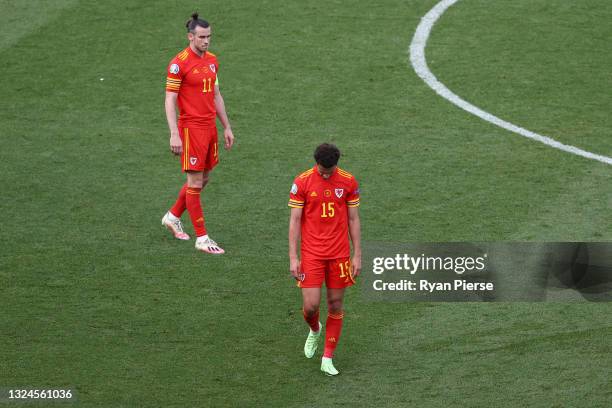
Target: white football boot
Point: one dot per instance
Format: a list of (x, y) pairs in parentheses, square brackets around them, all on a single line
[(175, 226), (205, 244)]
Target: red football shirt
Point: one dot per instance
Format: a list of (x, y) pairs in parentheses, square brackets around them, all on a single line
[(194, 79), (325, 203)]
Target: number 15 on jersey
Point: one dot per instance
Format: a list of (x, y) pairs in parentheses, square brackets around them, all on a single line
[(327, 210)]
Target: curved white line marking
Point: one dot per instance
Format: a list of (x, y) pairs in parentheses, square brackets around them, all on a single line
[(417, 58)]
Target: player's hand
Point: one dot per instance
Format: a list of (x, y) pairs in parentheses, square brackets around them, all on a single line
[(356, 266), (294, 268), (229, 138), (176, 146)]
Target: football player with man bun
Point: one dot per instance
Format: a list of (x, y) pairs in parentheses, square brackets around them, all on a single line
[(192, 87)]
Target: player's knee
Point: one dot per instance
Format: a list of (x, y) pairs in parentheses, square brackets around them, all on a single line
[(195, 184), (334, 306), (204, 180), (194, 180), (310, 309)]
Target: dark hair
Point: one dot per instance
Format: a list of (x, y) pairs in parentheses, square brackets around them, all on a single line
[(194, 21), (327, 155)]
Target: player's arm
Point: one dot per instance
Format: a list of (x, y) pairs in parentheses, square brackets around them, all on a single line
[(228, 135), (355, 234), (176, 146), (295, 225)]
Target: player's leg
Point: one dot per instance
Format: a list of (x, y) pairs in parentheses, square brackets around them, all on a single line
[(311, 299), (337, 278), (333, 328), (172, 218), (179, 206), (205, 178), (196, 164), (193, 203), (311, 280), (195, 181), (211, 155)]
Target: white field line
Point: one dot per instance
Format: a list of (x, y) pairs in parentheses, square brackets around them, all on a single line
[(417, 58)]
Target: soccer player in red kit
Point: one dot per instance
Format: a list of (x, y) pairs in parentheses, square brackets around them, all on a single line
[(324, 203), (192, 86)]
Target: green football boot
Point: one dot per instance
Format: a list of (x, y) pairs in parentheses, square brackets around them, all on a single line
[(312, 341), (328, 367)]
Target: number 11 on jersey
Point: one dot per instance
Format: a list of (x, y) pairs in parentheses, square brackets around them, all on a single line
[(209, 81)]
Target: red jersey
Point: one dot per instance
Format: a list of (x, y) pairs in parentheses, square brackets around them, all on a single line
[(194, 79), (325, 203)]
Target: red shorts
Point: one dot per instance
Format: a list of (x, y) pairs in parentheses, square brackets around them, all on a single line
[(337, 273), (200, 150)]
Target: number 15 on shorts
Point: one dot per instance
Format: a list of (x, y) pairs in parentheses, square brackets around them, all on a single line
[(346, 271)]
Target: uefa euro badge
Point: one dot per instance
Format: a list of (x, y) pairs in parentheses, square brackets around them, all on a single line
[(193, 160), (174, 69), (212, 68), (339, 192), (294, 189)]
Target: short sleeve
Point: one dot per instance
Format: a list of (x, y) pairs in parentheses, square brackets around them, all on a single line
[(352, 199), (297, 195), (174, 76), (216, 73)]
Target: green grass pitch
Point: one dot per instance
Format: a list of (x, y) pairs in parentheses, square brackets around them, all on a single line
[(96, 296)]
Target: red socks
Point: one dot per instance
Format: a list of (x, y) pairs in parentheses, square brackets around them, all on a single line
[(333, 328), (179, 207), (194, 207), (189, 198), (313, 321)]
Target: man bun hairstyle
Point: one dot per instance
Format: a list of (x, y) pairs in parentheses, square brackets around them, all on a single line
[(327, 155), (194, 22)]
